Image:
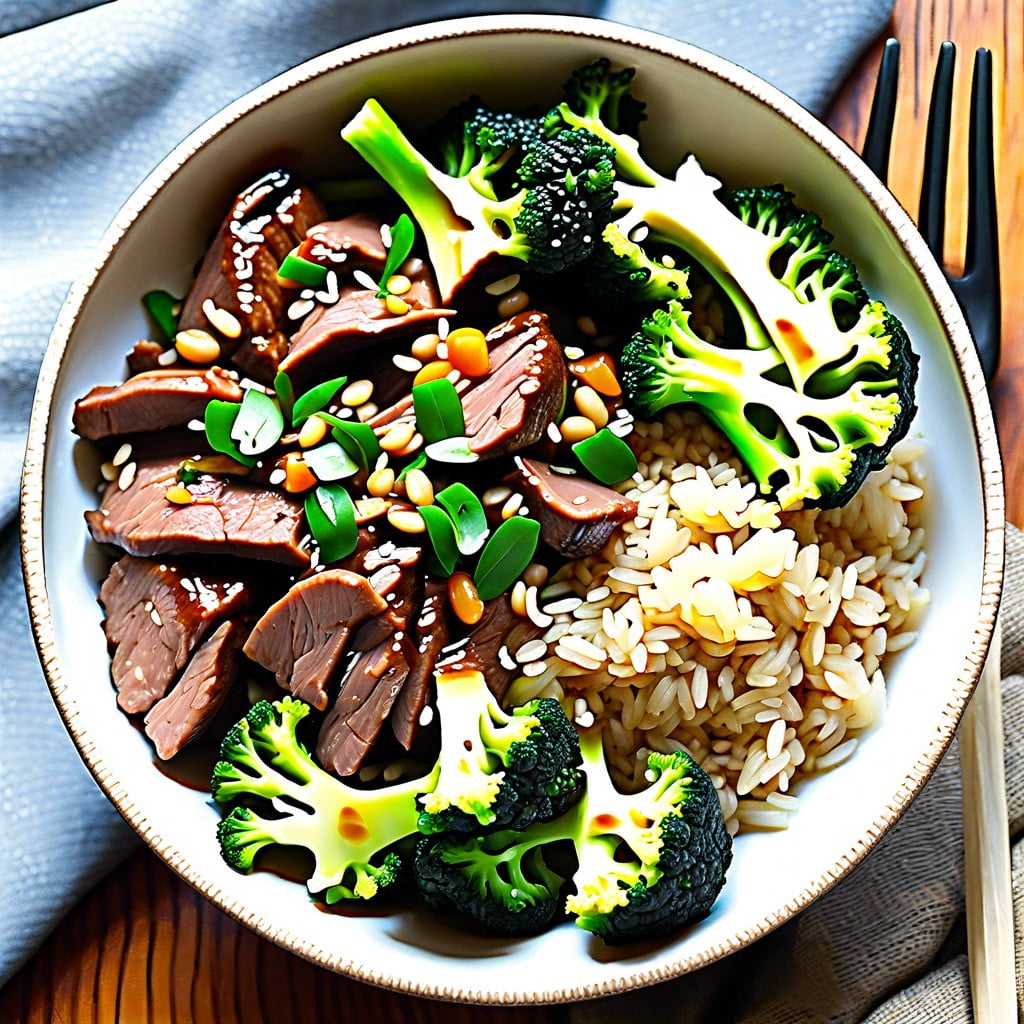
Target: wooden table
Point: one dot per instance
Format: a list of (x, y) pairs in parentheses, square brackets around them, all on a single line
[(143, 946)]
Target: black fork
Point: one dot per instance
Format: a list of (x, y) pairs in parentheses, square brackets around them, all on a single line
[(977, 289)]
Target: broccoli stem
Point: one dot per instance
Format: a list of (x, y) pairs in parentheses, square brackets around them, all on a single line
[(478, 737), (456, 214)]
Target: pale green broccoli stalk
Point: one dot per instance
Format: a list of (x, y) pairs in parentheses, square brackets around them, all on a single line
[(498, 769), (550, 221), (349, 831)]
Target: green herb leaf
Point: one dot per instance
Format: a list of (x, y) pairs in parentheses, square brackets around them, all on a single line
[(438, 410), (285, 392), (258, 425), (164, 308), (332, 521), (509, 551), (441, 531), (358, 439), (451, 449), (219, 420), (295, 268), (467, 514), (403, 234), (605, 457), (330, 462), (316, 399)]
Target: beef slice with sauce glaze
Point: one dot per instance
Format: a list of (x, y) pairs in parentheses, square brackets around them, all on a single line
[(203, 694), (302, 637), (430, 633), (331, 336), (511, 406), (575, 528), (153, 400), (227, 516), (157, 613), (376, 674), (267, 220)]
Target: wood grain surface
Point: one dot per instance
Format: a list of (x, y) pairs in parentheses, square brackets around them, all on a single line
[(144, 947)]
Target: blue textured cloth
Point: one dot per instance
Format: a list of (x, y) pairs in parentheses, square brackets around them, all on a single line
[(92, 96)]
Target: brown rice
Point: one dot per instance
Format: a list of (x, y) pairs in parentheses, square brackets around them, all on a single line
[(714, 621)]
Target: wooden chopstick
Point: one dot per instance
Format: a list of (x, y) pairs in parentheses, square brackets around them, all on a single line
[(988, 885)]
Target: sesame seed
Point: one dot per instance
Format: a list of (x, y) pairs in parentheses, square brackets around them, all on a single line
[(504, 284), (121, 455), (409, 364), (168, 357), (124, 481), (573, 352), (363, 278)]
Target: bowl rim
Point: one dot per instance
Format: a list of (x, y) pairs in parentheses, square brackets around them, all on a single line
[(597, 30)]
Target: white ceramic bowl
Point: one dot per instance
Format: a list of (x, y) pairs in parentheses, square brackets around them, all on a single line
[(741, 128)]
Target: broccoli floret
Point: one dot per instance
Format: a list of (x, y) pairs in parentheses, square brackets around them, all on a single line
[(551, 219), (624, 269), (348, 831), (840, 386), (472, 139), (498, 769), (812, 446), (500, 880), (648, 863)]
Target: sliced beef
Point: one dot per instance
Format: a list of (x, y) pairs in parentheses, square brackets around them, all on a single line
[(351, 243), (511, 406), (144, 356), (153, 400), (332, 335), (430, 633), (376, 674), (227, 516), (239, 273), (576, 515), (199, 697), (302, 637), (499, 626), (373, 681), (156, 615)]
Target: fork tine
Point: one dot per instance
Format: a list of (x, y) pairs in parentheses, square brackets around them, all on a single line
[(878, 137), (932, 212), (981, 261)]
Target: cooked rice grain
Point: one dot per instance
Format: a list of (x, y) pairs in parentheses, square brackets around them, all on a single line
[(715, 621)]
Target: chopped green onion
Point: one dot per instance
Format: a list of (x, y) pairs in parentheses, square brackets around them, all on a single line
[(295, 268), (509, 551), (358, 439), (332, 521), (259, 423), (316, 399), (219, 420), (418, 463), (164, 308), (438, 410), (468, 515), (451, 449), (285, 392), (441, 531), (330, 462), (606, 457), (403, 234)]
